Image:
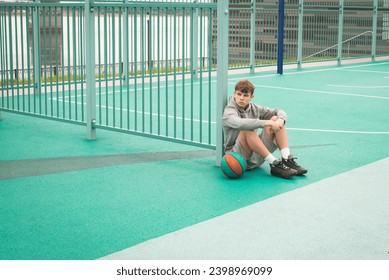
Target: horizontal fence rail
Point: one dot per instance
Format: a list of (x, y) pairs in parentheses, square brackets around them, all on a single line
[(153, 64)]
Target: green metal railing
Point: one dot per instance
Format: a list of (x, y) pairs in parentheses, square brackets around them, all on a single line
[(148, 67), (150, 73), (156, 93)]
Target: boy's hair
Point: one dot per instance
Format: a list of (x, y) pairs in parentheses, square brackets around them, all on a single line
[(245, 86)]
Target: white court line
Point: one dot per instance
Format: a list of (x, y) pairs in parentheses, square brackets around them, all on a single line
[(214, 123), (366, 71), (346, 86), (339, 131), (325, 92), (364, 65)]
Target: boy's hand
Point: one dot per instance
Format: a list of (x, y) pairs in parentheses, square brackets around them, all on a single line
[(281, 122), (275, 126)]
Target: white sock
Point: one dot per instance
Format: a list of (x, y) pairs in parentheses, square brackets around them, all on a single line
[(270, 159), (285, 152)]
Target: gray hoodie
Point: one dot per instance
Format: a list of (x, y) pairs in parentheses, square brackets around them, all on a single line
[(250, 118)]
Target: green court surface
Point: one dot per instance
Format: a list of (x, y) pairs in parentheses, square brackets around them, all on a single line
[(65, 197)]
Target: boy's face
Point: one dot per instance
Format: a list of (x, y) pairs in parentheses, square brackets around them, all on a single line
[(243, 98)]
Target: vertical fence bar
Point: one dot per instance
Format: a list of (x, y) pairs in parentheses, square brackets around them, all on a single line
[(183, 75), (300, 34), (75, 52), (100, 78), (252, 36), (200, 36), (135, 60), (36, 55), (175, 29), (166, 73), (222, 74), (90, 70), (17, 59), (1, 60), (340, 31), (28, 45), (69, 73), (125, 63), (113, 60), (49, 49), (374, 35), (56, 62), (192, 58), (210, 55), (81, 61), (150, 52), (106, 61), (63, 63), (4, 56), (195, 42), (43, 61), (159, 70), (125, 46), (120, 62), (142, 66)]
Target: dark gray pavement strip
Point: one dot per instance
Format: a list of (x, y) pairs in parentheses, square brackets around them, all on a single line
[(10, 169), (341, 217)]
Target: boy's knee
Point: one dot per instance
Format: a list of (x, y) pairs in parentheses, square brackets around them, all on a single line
[(247, 133)]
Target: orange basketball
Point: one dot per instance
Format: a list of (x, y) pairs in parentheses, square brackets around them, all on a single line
[(233, 165)]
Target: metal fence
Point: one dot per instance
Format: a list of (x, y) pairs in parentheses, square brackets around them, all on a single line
[(314, 31), (151, 66), (147, 67)]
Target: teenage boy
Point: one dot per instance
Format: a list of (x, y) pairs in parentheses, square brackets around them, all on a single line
[(242, 119)]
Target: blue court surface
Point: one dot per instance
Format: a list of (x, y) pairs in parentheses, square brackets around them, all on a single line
[(129, 197)]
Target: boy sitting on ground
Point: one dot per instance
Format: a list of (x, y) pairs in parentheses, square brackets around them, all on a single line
[(242, 119)]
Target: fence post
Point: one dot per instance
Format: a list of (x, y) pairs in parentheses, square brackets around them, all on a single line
[(125, 46), (280, 42), (252, 36), (300, 34), (90, 70), (374, 35), (222, 73), (340, 31)]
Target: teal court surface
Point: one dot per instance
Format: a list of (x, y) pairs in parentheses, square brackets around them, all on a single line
[(129, 197)]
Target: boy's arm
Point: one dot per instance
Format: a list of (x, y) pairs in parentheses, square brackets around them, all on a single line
[(232, 119), (268, 113)]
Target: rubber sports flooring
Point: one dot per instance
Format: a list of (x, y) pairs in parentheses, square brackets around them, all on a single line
[(64, 197)]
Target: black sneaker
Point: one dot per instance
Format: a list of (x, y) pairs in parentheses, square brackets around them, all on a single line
[(278, 168), (292, 164)]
